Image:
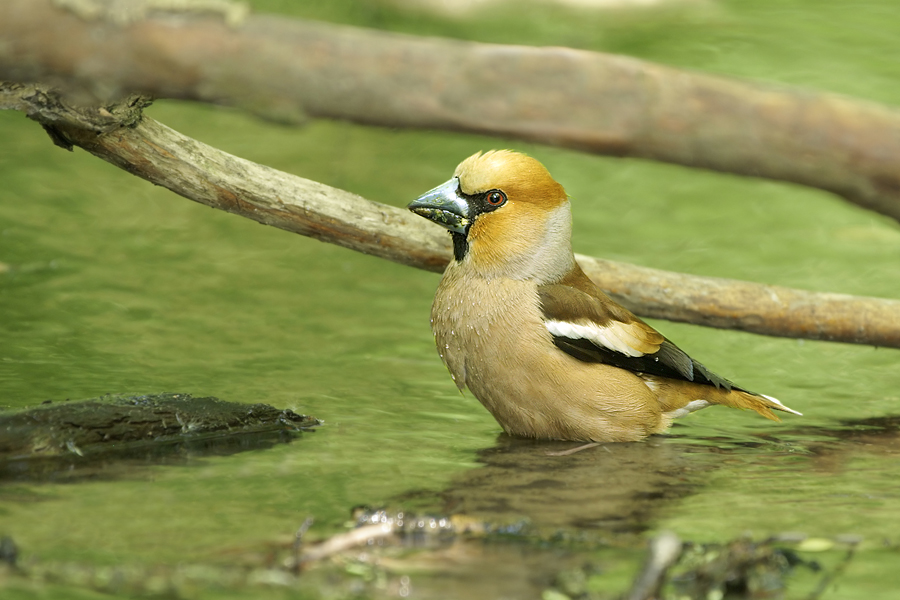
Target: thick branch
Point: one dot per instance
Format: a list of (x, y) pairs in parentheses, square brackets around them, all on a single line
[(599, 103), (753, 307), (199, 172), (204, 174)]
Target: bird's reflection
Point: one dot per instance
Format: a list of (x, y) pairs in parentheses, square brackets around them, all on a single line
[(616, 487), (623, 488)]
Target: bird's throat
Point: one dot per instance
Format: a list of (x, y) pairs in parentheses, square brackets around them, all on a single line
[(460, 245)]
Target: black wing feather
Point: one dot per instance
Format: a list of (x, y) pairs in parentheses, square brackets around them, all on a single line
[(669, 361)]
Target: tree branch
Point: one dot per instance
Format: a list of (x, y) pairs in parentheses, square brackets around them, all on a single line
[(154, 152), (753, 307), (291, 70)]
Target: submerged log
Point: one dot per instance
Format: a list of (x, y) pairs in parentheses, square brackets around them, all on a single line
[(42, 440)]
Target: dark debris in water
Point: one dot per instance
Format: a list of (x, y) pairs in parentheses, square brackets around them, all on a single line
[(63, 439), (9, 553), (374, 559), (742, 568)]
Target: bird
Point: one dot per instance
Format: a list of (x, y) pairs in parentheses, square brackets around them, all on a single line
[(537, 342)]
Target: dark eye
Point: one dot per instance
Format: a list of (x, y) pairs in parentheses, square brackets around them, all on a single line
[(496, 198)]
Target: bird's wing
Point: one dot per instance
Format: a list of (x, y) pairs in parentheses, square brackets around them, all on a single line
[(588, 325)]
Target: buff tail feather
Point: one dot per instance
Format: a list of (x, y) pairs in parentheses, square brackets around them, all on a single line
[(760, 404), (679, 398)]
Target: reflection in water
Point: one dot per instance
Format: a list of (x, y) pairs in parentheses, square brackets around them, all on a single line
[(582, 513), (125, 463), (877, 435), (621, 488), (614, 487), (602, 496)]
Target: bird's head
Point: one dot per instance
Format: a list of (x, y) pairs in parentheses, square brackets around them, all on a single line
[(507, 215)]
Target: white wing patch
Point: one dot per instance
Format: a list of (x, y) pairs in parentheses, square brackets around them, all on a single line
[(780, 405), (617, 336), (687, 409)]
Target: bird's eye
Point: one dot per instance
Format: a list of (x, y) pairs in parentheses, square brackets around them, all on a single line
[(496, 198)]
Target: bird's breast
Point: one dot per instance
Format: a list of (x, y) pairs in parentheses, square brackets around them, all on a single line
[(491, 335), (480, 325)]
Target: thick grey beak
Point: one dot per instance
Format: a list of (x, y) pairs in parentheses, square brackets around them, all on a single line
[(445, 206)]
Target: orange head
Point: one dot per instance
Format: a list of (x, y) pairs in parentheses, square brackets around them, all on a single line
[(508, 216)]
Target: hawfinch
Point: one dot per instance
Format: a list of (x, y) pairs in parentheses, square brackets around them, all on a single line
[(517, 321)]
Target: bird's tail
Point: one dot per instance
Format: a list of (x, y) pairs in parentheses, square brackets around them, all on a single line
[(756, 402), (679, 398)]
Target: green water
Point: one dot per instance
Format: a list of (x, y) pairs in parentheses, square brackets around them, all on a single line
[(113, 285)]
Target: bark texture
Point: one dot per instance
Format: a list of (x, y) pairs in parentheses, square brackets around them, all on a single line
[(291, 70)]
